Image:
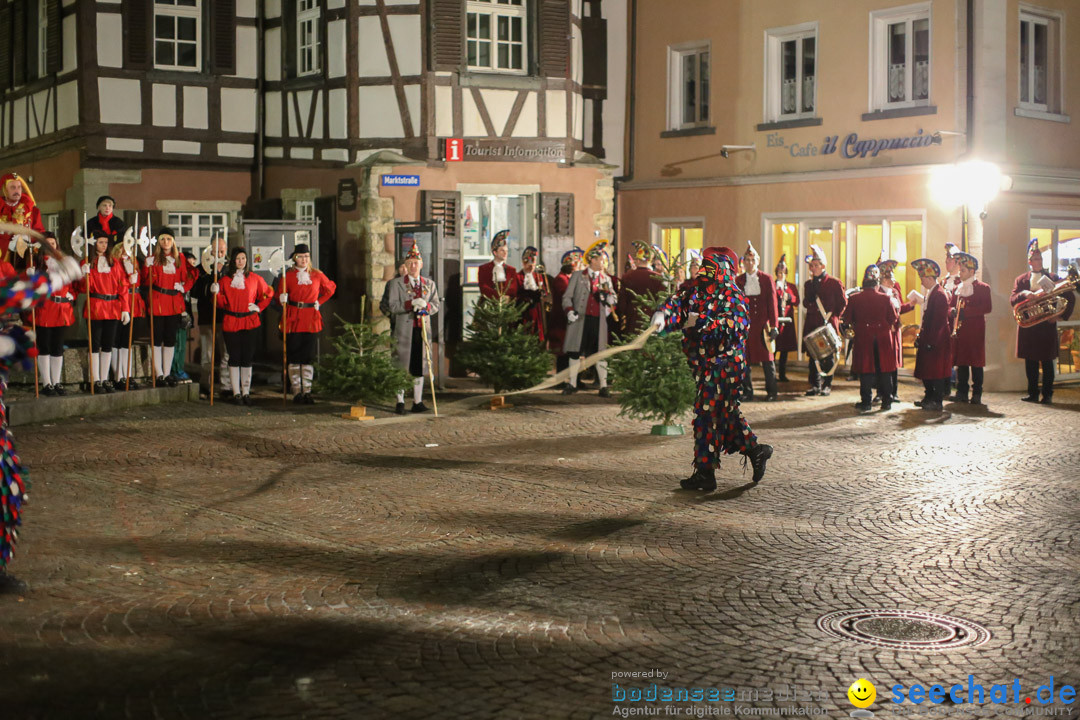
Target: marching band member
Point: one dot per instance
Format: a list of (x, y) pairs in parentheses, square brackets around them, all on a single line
[(588, 301), (54, 316), (1038, 345), (496, 278), (136, 306), (642, 280), (23, 292), (659, 262), (169, 276), (713, 318), (888, 282), (760, 292), (108, 306), (204, 300), (105, 223), (933, 357), (306, 289), (787, 300), (830, 292), (533, 291), (413, 300), (571, 261), (952, 278), (242, 295), (872, 313), (971, 303)]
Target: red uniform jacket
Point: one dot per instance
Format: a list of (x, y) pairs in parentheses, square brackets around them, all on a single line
[(533, 317), (905, 307), (969, 345), (166, 299), (302, 316), (488, 285), (135, 298), (641, 281), (108, 291), (761, 309), (1038, 342), (557, 316), (24, 213), (833, 299), (58, 310), (787, 299), (235, 302), (873, 313), (933, 356)]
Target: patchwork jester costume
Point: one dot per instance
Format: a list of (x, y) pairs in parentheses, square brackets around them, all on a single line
[(712, 313)]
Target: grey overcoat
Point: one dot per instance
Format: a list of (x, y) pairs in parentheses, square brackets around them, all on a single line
[(401, 296)]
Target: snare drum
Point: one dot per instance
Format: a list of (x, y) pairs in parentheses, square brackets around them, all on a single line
[(823, 344)]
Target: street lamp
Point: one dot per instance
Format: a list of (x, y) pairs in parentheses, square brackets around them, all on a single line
[(970, 185)]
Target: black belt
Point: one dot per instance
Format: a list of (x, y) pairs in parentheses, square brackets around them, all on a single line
[(301, 305), (61, 300), (249, 313), (99, 296), (163, 291), (134, 290)]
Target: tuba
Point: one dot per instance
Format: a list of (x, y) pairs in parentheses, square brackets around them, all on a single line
[(1047, 306)]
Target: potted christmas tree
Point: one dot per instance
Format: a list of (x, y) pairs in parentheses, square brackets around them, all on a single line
[(361, 367), (500, 349)]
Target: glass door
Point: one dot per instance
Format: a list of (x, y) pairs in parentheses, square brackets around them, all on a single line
[(483, 217), (1059, 242)]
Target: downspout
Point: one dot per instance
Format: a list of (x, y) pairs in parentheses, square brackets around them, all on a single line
[(260, 107), (628, 161), (969, 123)]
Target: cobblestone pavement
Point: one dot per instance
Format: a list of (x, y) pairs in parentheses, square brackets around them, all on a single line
[(196, 562)]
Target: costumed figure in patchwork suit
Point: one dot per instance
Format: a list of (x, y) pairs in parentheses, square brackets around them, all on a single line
[(588, 301), (413, 300)]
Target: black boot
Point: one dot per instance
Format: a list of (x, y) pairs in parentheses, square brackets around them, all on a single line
[(569, 389), (758, 457), (399, 409), (419, 407), (702, 479), (11, 584), (976, 397)]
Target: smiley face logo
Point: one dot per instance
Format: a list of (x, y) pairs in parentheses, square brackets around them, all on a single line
[(862, 693)]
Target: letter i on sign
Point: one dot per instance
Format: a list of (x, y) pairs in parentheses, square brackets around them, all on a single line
[(455, 149)]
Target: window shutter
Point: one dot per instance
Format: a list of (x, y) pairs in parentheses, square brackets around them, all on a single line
[(53, 34), (64, 229), (18, 43), (223, 36), (32, 41), (556, 215), (554, 36), (288, 47), (5, 41), (594, 53), (326, 213), (447, 34), (443, 206), (138, 28)]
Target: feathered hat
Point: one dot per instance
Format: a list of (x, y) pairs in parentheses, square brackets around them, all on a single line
[(816, 253), (572, 256), (597, 249), (16, 176), (1033, 248), (413, 252), (781, 263)]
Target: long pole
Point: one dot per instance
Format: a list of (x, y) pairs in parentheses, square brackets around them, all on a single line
[(150, 282), (131, 303), (89, 328), (284, 331), (33, 321), (431, 370), (213, 312)]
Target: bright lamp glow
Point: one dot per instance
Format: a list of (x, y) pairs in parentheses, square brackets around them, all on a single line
[(973, 183)]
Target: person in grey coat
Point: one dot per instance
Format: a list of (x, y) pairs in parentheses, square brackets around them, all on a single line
[(413, 300), (588, 300)]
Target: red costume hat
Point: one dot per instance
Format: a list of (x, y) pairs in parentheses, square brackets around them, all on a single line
[(413, 252), (16, 176)]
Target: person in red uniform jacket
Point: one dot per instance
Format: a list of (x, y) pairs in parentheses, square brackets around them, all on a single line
[(571, 261), (169, 277), (830, 292), (18, 207), (137, 307), (933, 355), (889, 284), (760, 292), (109, 308), (533, 291), (496, 278), (971, 304), (1038, 345), (54, 316), (642, 280), (306, 289), (871, 313), (105, 223), (242, 295), (787, 301)]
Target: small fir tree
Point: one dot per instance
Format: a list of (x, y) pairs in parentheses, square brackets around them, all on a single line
[(361, 365), (500, 349)]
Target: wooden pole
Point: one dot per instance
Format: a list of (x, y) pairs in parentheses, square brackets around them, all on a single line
[(150, 298), (431, 370), (284, 331), (131, 303), (89, 327), (213, 313)]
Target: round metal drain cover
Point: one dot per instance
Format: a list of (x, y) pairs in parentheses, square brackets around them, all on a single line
[(903, 629)]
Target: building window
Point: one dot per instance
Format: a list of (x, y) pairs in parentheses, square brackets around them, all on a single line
[(791, 73), (900, 60), (194, 230), (305, 210), (43, 38), (307, 37), (495, 35), (51, 223), (177, 24), (1040, 60), (688, 86)]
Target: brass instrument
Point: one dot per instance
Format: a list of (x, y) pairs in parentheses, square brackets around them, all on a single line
[(545, 294), (609, 287), (1047, 306), (956, 320)]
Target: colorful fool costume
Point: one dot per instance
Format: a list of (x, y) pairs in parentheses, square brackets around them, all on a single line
[(413, 300), (713, 318), (306, 289), (20, 293)]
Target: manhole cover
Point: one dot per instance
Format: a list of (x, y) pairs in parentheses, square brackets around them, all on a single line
[(903, 629)]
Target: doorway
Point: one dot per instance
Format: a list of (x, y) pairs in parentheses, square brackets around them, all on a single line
[(677, 238), (484, 215), (1059, 241)]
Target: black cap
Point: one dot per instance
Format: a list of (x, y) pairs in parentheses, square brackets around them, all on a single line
[(164, 230), (103, 198), (300, 250)]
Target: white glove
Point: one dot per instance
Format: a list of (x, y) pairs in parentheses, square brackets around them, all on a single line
[(691, 320), (253, 307), (317, 305), (68, 270), (214, 288), (178, 287), (7, 345), (128, 266), (283, 298), (133, 278), (125, 317), (150, 260), (418, 304), (69, 296), (572, 317), (658, 320)]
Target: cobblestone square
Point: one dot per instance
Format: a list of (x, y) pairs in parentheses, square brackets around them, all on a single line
[(267, 562)]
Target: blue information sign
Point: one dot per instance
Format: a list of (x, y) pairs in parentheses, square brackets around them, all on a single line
[(401, 181)]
